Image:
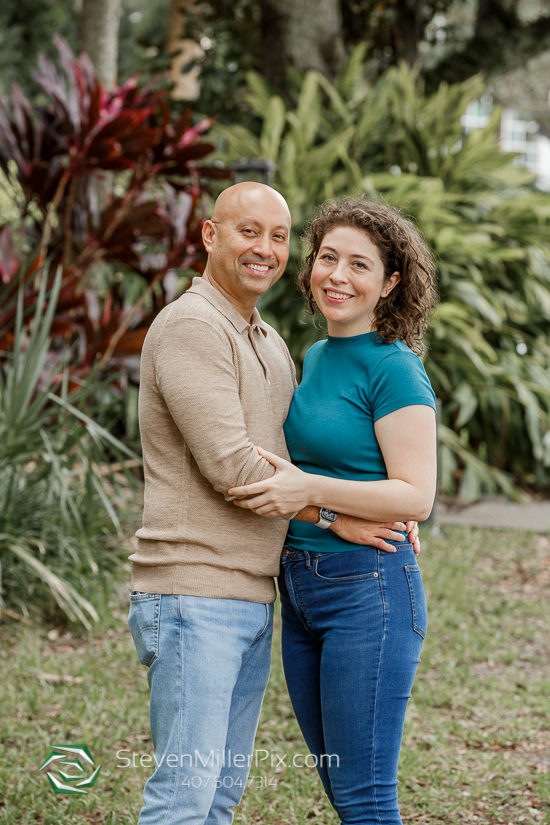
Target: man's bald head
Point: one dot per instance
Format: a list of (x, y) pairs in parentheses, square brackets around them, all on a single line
[(248, 195), (247, 242)]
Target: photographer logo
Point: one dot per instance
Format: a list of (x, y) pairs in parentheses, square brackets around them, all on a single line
[(65, 758)]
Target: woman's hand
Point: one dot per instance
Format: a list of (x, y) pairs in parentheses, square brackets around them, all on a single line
[(283, 495)]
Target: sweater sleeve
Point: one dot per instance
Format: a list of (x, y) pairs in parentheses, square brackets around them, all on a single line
[(196, 376)]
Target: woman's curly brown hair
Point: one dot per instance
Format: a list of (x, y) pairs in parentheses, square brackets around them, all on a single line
[(403, 314)]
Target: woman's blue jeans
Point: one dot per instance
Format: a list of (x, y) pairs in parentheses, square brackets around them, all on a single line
[(353, 627)]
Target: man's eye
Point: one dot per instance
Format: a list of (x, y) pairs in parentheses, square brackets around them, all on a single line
[(249, 230), (280, 237)]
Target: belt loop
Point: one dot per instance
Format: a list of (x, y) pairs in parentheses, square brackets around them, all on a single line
[(308, 560)]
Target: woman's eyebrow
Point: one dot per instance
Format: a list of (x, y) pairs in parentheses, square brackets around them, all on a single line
[(324, 248)]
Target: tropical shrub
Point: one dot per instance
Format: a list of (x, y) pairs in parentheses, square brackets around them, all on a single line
[(111, 188), (489, 351), (60, 536)]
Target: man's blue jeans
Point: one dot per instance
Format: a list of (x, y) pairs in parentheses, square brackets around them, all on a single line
[(209, 662), (353, 627)]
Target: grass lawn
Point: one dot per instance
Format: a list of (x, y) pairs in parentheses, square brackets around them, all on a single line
[(477, 737)]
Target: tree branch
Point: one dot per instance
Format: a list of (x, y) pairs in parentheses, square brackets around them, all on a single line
[(500, 43)]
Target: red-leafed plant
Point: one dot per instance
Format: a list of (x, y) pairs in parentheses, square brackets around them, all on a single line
[(145, 221)]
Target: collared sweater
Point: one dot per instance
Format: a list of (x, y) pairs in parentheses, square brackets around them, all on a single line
[(213, 388)]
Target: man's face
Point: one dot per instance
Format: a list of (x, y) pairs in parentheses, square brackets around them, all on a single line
[(247, 241)]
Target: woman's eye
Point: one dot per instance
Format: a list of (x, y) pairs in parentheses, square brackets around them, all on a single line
[(327, 257), (360, 264)]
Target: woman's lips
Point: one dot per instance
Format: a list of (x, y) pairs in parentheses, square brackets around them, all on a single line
[(335, 297)]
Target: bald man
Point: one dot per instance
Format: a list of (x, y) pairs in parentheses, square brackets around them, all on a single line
[(216, 380)]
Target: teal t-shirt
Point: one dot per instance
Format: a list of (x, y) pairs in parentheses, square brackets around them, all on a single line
[(347, 385)]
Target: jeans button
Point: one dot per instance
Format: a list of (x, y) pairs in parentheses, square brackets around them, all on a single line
[(287, 552)]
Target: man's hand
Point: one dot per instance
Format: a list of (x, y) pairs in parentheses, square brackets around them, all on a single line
[(412, 529), (375, 533)]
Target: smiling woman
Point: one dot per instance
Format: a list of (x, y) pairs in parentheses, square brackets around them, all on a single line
[(348, 280), (361, 434)]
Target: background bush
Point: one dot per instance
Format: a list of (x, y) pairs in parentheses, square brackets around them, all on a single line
[(489, 353)]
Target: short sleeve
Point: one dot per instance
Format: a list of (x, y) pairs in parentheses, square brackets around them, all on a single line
[(399, 381)]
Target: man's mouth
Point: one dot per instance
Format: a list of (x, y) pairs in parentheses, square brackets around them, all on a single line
[(337, 297), (259, 268)]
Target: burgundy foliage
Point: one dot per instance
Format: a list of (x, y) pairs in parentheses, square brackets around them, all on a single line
[(149, 223)]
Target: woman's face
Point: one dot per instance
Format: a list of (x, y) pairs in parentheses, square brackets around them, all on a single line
[(347, 281)]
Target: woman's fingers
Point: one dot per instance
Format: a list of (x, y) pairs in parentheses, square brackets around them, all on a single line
[(249, 489), (276, 460), (252, 503)]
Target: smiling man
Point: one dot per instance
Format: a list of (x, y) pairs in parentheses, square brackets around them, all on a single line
[(215, 381)]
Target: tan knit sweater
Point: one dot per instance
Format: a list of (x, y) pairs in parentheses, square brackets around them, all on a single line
[(212, 388)]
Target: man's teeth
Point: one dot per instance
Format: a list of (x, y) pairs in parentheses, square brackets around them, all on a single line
[(258, 267), (339, 295)]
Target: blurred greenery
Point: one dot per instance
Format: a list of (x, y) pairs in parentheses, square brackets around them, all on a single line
[(60, 534), (27, 28), (489, 351)]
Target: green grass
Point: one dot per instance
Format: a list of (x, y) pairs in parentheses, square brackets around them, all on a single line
[(477, 737)]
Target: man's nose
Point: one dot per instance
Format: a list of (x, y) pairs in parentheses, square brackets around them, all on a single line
[(263, 247)]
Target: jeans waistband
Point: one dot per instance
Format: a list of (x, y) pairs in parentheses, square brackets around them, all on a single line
[(290, 555)]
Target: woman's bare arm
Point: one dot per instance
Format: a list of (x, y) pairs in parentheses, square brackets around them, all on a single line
[(407, 439)]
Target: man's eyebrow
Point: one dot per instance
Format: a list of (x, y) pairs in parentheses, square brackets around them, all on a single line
[(256, 221)]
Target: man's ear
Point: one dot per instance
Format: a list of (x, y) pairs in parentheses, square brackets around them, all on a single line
[(392, 281), (208, 232)]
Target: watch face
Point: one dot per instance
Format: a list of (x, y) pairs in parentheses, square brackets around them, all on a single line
[(328, 515)]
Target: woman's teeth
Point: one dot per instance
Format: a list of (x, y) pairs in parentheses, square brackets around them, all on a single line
[(340, 296)]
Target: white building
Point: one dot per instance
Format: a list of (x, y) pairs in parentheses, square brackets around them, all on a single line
[(516, 135)]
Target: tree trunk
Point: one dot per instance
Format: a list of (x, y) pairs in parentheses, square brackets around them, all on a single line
[(408, 32), (99, 25), (182, 52), (304, 34)]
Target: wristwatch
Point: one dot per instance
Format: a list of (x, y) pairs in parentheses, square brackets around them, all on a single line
[(326, 518)]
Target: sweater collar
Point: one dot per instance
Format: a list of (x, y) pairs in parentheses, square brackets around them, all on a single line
[(201, 287)]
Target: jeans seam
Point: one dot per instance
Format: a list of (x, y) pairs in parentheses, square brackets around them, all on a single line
[(294, 594), (376, 718), (416, 627), (180, 725), (266, 625)]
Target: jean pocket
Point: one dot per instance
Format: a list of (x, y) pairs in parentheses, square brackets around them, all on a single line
[(418, 599), (143, 621), (333, 567)]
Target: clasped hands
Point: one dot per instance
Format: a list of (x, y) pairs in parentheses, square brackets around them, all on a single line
[(288, 491)]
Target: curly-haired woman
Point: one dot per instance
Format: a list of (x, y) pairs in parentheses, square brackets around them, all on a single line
[(362, 437)]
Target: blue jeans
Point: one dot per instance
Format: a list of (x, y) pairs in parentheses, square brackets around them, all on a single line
[(209, 662), (353, 627)]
